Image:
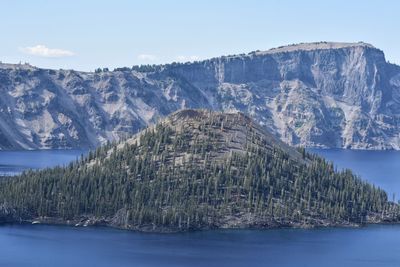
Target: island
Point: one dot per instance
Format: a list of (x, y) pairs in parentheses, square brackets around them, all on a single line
[(195, 170)]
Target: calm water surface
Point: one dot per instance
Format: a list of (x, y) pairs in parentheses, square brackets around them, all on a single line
[(14, 162), (55, 246), (381, 168), (48, 246)]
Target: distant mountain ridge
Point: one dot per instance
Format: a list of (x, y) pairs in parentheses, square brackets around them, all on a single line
[(326, 94)]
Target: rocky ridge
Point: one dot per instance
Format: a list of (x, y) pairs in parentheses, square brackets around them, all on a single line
[(331, 95)]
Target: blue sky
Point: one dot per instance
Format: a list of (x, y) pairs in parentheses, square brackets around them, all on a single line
[(88, 34)]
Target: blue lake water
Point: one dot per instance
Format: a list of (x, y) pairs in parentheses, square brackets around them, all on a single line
[(381, 168), (58, 246), (14, 162)]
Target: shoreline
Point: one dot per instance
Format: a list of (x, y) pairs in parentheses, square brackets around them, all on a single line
[(166, 230), (107, 227)]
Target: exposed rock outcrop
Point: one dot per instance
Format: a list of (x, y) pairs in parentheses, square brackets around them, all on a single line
[(314, 95)]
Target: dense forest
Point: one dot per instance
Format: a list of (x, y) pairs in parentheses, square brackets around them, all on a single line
[(197, 170)]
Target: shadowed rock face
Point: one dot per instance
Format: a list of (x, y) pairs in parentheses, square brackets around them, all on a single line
[(319, 94)]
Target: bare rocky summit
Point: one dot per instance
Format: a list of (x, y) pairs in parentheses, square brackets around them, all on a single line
[(332, 95), (314, 46)]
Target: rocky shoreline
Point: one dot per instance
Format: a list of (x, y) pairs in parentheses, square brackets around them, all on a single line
[(91, 221)]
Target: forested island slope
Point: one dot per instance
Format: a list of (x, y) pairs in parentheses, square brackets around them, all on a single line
[(196, 169)]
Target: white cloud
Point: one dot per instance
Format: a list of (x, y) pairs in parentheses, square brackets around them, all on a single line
[(147, 57), (43, 51), (187, 58)]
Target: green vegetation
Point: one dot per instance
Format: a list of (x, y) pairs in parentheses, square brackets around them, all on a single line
[(198, 170)]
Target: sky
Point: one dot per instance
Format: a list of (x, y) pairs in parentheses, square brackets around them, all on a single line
[(87, 34)]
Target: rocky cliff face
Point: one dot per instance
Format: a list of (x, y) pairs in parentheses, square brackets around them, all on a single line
[(314, 95)]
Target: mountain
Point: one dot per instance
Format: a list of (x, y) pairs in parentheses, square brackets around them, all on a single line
[(333, 95), (196, 169)]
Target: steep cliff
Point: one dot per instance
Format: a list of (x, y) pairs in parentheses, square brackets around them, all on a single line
[(314, 95)]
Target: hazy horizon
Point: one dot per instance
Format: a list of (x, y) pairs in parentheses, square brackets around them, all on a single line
[(91, 34)]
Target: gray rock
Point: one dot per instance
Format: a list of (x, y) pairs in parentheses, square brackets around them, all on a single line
[(323, 94)]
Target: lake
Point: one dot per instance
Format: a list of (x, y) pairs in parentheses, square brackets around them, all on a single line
[(48, 246), (381, 168), (14, 162)]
